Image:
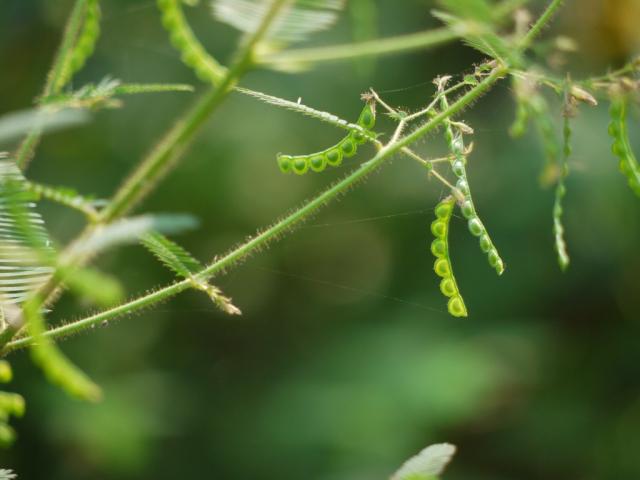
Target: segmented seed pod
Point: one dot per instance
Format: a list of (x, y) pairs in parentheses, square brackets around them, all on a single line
[(193, 54), (88, 37), (621, 147), (332, 156), (442, 265), (561, 191), (467, 207)]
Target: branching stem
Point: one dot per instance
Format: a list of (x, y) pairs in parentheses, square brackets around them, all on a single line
[(272, 233)]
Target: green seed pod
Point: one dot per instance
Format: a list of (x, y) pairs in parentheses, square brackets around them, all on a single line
[(5, 372), (457, 307), (475, 227), (467, 209), (439, 248), (443, 210), (300, 165), (485, 243), (193, 54), (558, 227), (463, 186), (494, 258), (438, 228), (86, 42), (448, 287), (7, 435), (458, 168), (318, 163), (12, 404), (348, 147), (621, 147), (367, 119), (334, 157), (442, 265), (285, 163), (458, 165)]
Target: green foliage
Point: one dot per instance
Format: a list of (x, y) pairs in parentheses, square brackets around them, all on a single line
[(268, 26), (621, 147), (442, 266)]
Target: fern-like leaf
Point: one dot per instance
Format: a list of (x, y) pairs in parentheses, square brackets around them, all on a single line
[(22, 237), (179, 260), (294, 23), (171, 254)]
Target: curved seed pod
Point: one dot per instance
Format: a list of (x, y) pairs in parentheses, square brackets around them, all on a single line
[(332, 156), (442, 265), (561, 190), (467, 207), (183, 39), (621, 147), (86, 42)]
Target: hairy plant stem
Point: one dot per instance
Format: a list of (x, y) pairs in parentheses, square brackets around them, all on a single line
[(384, 46), (55, 79), (542, 21), (282, 226)]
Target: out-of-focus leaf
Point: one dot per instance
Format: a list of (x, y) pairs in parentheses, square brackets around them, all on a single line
[(427, 464), (16, 124), (294, 23)]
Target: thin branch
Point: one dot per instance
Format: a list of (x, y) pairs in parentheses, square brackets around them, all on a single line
[(384, 46), (542, 22)]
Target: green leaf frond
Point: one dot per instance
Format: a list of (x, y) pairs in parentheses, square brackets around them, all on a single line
[(180, 261), (294, 22), (25, 248)]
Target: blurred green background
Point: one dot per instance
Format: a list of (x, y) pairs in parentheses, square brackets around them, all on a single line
[(345, 362)]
